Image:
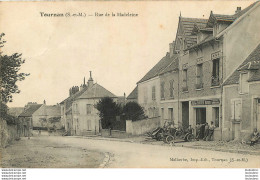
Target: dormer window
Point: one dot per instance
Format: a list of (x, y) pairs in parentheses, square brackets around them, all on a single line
[(244, 85)]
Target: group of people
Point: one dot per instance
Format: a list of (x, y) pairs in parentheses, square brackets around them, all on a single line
[(205, 131)]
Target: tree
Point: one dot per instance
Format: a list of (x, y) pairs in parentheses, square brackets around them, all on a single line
[(9, 74), (133, 111), (108, 110)]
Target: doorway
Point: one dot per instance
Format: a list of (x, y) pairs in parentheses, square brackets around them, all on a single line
[(185, 114), (201, 118)]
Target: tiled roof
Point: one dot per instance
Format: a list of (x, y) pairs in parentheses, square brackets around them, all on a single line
[(174, 65), (252, 62), (30, 110), (68, 101), (133, 94), (242, 12), (163, 63), (188, 26), (53, 111), (96, 91)]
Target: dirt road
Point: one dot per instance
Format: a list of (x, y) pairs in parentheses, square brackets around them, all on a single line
[(40, 152)]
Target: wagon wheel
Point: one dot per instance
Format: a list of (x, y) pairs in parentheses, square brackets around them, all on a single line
[(189, 137), (169, 139)]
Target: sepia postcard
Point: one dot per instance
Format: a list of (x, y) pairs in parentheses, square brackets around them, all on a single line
[(130, 84)]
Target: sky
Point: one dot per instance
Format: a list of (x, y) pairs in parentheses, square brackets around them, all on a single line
[(60, 51)]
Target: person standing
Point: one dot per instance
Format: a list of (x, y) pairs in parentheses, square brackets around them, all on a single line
[(211, 131), (206, 132), (198, 131), (255, 137)]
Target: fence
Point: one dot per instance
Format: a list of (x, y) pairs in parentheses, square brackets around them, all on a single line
[(142, 126)]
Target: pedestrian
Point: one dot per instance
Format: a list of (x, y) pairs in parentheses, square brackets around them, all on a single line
[(211, 131), (206, 131), (255, 137), (198, 133)]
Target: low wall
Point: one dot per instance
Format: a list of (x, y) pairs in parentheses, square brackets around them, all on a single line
[(114, 133), (8, 133), (142, 126)]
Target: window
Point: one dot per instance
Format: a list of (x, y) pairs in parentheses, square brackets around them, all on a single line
[(215, 73), (89, 106), (199, 77), (170, 114), (171, 88), (75, 108), (162, 90), (185, 79), (216, 116), (244, 86), (153, 93), (145, 95), (162, 113)]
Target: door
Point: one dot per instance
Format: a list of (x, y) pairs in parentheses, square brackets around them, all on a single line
[(201, 118), (258, 116), (236, 108), (185, 115)]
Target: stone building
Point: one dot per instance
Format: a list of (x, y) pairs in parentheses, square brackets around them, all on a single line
[(207, 52), (241, 99), (85, 117)]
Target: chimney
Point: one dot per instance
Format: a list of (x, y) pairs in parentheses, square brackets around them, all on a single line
[(44, 102), (90, 81), (238, 10), (171, 47)]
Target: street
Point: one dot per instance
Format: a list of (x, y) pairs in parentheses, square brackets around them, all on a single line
[(72, 152)]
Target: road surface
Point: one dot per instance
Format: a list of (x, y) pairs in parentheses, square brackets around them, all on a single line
[(86, 152)]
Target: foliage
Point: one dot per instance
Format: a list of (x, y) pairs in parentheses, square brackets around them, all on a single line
[(108, 110), (133, 111), (53, 120), (3, 114), (9, 73)]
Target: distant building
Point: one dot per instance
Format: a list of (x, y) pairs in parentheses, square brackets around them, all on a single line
[(85, 117), (26, 118)]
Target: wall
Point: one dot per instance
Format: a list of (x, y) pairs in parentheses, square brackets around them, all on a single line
[(190, 59), (245, 33), (83, 122), (146, 87), (114, 133), (142, 126), (8, 133), (168, 101), (248, 110)]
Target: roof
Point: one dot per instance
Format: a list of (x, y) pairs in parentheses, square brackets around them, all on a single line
[(252, 62), (30, 110), (96, 91), (68, 101), (188, 26), (133, 94), (161, 65), (53, 111), (15, 111), (173, 66)]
